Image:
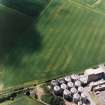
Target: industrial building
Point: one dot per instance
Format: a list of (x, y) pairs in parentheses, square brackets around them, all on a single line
[(95, 74), (71, 87)]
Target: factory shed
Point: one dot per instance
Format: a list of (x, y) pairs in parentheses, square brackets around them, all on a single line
[(95, 74), (95, 84), (99, 88)]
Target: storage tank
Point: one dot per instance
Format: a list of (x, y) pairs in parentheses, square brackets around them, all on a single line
[(63, 86), (73, 90), (74, 77), (57, 90), (84, 97), (70, 85), (77, 83), (84, 104), (67, 79), (61, 81), (84, 79), (54, 83), (67, 95), (80, 103), (76, 98), (80, 89)]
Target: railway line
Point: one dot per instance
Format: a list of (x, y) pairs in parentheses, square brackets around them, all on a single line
[(18, 91)]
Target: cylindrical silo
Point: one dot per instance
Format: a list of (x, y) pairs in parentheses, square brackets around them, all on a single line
[(67, 79), (80, 103), (61, 81), (84, 97), (77, 83), (84, 104), (57, 90), (74, 77), (54, 83), (76, 98), (63, 86), (80, 89), (73, 90), (84, 79), (70, 85), (67, 95)]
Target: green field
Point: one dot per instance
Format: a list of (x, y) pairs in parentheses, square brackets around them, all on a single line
[(66, 37), (73, 38), (22, 101)]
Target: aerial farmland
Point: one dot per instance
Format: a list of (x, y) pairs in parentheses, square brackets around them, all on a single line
[(49, 39)]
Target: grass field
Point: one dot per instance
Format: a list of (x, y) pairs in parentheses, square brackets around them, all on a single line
[(29, 7), (73, 38), (68, 37), (99, 5), (22, 101)]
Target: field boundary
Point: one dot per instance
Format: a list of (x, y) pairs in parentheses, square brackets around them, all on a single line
[(44, 10), (87, 7), (15, 10)]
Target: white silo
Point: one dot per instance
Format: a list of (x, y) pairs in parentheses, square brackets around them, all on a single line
[(61, 81), (84, 97), (67, 79), (54, 83), (84, 79), (76, 98), (70, 85), (74, 77), (57, 90), (84, 104), (63, 86), (77, 83), (73, 90), (67, 95), (80, 103), (80, 89)]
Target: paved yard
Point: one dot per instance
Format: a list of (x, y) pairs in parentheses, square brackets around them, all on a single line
[(101, 98)]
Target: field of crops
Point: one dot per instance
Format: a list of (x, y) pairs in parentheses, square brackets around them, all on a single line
[(67, 37), (73, 38), (22, 101)]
